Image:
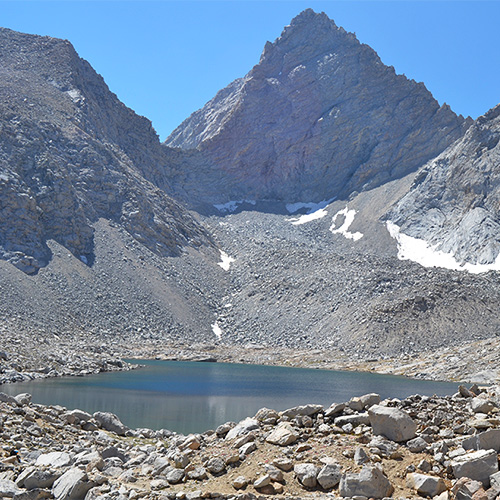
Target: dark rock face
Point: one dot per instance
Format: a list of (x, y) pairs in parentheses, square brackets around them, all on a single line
[(71, 153), (319, 116), (454, 203)]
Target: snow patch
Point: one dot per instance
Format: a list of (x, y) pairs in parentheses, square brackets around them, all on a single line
[(310, 205), (231, 206), (422, 253), (225, 261), (344, 228), (217, 331)]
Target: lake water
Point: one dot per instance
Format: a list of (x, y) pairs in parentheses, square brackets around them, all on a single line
[(193, 397)]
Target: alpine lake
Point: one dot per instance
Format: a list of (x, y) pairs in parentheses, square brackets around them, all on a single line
[(190, 397)]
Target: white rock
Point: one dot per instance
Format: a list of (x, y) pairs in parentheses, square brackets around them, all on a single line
[(424, 485), (370, 482), (72, 485), (306, 410), (244, 427), (8, 488), (283, 435), (54, 459), (307, 474), (329, 476), (478, 465), (488, 440), (395, 424)]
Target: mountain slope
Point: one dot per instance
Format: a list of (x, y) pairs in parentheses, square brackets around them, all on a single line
[(454, 203), (71, 153), (320, 116)]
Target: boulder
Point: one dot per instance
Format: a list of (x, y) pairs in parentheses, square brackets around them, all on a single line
[(307, 474), (7, 398), (8, 488), (478, 465), (240, 482), (329, 476), (262, 481), (23, 399), (53, 459), (174, 475), (370, 482), (427, 486), (306, 410), (283, 435), (334, 410), (370, 400), (110, 422), (392, 423), (37, 478), (72, 485), (488, 440), (481, 405), (465, 489), (354, 420), (244, 427), (417, 445), (216, 465)]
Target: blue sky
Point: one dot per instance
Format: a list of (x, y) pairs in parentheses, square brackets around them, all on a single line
[(165, 59)]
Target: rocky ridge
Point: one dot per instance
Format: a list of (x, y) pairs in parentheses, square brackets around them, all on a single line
[(320, 116), (454, 201), (439, 447)]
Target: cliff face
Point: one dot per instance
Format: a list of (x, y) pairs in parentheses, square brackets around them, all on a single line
[(454, 203), (71, 153), (319, 116)]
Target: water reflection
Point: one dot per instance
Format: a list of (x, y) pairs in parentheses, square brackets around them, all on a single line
[(193, 397)]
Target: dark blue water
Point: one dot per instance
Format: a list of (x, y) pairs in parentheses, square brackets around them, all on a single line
[(193, 397)]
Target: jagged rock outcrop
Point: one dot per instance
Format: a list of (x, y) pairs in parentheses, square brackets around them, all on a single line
[(454, 203), (71, 153), (319, 116)]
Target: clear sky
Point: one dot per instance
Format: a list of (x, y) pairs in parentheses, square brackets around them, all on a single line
[(165, 59)]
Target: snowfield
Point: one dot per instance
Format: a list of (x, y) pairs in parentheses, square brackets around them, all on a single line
[(344, 228)]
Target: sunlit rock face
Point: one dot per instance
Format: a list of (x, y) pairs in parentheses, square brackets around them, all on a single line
[(454, 203), (319, 116)]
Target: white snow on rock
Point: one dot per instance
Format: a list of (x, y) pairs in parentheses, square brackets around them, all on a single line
[(217, 331), (422, 253), (231, 206), (315, 211), (344, 228), (225, 261)]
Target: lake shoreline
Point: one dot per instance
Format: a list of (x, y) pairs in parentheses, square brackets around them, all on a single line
[(475, 362)]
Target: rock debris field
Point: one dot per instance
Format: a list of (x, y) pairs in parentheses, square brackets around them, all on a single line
[(434, 447)]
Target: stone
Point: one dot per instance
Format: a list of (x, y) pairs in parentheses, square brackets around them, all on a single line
[(488, 440), (329, 476), (8, 489), (72, 485), (392, 423), (282, 435), (307, 474), (267, 415), (285, 464), (262, 481), (481, 405), (356, 404), (240, 482), (243, 427), (192, 442), (216, 465), (354, 420), (247, 448), (360, 456), (7, 398), (464, 392), (428, 486), (478, 465), (417, 445), (274, 473), (174, 475), (38, 478), (53, 459), (334, 410), (369, 400), (495, 480), (305, 410), (384, 446), (110, 422), (465, 488), (198, 474), (370, 483), (23, 399)]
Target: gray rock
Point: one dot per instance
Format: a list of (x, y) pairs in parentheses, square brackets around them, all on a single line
[(240, 482), (8, 488), (360, 456), (216, 465), (54, 459), (370, 482), (417, 445), (307, 474), (6, 398), (110, 422), (174, 475), (395, 424), (488, 440), (329, 476), (198, 474), (37, 478), (23, 399), (478, 465), (334, 410), (72, 485), (282, 435), (481, 405), (428, 486), (354, 420), (305, 410), (247, 448), (244, 427), (262, 481)]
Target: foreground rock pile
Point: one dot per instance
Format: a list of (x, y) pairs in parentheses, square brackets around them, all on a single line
[(439, 447)]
